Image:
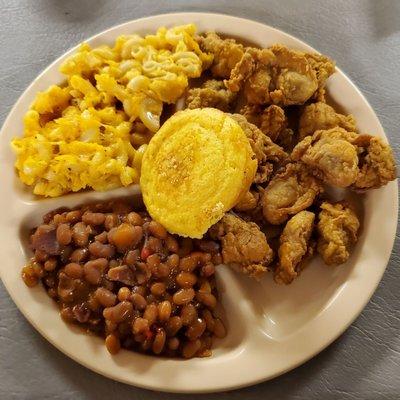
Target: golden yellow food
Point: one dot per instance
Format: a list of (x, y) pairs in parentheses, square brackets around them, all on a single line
[(196, 167), (82, 134)]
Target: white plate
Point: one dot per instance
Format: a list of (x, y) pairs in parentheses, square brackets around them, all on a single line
[(272, 328)]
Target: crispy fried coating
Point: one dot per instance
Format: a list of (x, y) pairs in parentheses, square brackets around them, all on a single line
[(330, 155), (279, 76), (249, 201), (227, 53), (244, 246), (212, 93), (376, 163), (324, 67), (294, 247), (290, 191), (337, 228), (321, 116), (269, 155), (271, 120)]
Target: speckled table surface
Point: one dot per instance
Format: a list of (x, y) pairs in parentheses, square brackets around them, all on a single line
[(364, 38)]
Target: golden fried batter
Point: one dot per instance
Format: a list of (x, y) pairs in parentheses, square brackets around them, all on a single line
[(244, 246), (271, 120), (279, 76), (248, 202), (290, 191), (294, 247), (269, 155), (324, 67), (227, 53), (376, 163), (337, 227), (321, 116), (331, 156), (212, 93)]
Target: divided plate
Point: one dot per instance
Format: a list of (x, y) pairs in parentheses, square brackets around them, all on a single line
[(271, 328)]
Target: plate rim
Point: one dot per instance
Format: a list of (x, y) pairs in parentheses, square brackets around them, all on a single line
[(187, 15)]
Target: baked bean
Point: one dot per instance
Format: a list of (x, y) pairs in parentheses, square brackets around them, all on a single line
[(105, 297), (208, 299), (101, 237), (154, 245), (29, 276), (188, 314), (186, 247), (118, 313), (93, 270), (125, 236), (157, 230), (173, 343), (73, 270), (186, 279), (172, 244), (183, 296), (142, 290), (101, 250), (67, 314), (140, 325), (190, 349), (91, 218), (208, 269), (134, 219), (59, 219), (217, 259), (153, 261), (80, 234), (173, 325), (110, 221), (110, 326), (189, 263), (205, 287), (138, 301), (196, 329), (79, 255), (162, 271), (151, 313), (219, 329), (73, 216), (41, 256), (131, 257), (50, 264), (159, 341), (164, 311), (157, 289), (209, 319), (113, 344), (64, 234), (173, 261), (124, 294)]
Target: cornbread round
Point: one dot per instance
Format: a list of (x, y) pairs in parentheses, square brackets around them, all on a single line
[(196, 167)]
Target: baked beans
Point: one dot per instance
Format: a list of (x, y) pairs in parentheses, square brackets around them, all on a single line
[(120, 274)]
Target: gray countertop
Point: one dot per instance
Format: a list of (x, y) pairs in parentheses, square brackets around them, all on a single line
[(364, 38)]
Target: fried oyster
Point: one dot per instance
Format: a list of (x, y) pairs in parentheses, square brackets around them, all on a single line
[(295, 248), (279, 76), (290, 191), (330, 155), (212, 93), (269, 155), (244, 246), (337, 228), (227, 53), (377, 166), (321, 116)]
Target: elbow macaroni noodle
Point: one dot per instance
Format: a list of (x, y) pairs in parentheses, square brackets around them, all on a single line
[(91, 132)]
